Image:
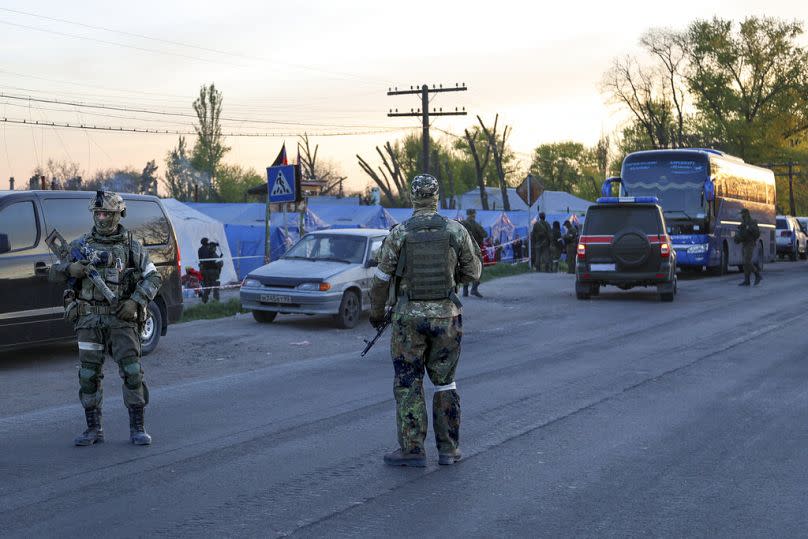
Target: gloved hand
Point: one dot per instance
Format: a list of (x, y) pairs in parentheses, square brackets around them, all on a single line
[(127, 310), (376, 319), (77, 270)]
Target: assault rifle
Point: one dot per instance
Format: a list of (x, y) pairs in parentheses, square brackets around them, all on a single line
[(86, 255), (388, 317)]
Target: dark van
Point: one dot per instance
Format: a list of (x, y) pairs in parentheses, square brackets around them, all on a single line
[(31, 309)]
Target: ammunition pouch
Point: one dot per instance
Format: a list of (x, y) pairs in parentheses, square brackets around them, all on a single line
[(71, 306), (85, 308)]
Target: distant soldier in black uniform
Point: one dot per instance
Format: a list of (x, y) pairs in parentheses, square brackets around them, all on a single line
[(540, 238), (478, 234), (210, 269), (570, 244), (748, 235)]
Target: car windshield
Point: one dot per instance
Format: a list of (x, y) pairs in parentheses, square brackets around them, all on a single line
[(608, 221), (338, 248)]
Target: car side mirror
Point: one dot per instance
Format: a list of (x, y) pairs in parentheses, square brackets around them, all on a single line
[(5, 245), (371, 263)]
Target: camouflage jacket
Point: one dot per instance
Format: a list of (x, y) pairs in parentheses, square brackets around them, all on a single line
[(542, 233), (748, 232), (130, 273), (476, 230), (465, 268)]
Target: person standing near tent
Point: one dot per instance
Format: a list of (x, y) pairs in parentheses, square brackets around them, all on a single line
[(555, 247), (541, 236), (210, 268), (421, 262), (478, 234), (570, 244)]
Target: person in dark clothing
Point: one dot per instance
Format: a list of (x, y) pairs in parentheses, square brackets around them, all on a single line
[(555, 247), (541, 235), (210, 268), (478, 234), (517, 248), (570, 244)]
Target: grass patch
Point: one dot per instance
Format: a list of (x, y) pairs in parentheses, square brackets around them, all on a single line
[(211, 310), (503, 270)]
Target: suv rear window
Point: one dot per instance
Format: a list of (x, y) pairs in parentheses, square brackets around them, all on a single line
[(781, 224), (608, 221)]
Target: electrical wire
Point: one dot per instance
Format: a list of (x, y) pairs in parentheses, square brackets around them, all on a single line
[(180, 132)]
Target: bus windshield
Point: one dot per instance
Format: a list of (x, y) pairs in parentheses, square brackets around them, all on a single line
[(677, 182)]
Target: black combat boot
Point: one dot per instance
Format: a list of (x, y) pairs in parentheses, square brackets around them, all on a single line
[(94, 432), (475, 291), (416, 458), (744, 283), (449, 458), (758, 278), (137, 432)]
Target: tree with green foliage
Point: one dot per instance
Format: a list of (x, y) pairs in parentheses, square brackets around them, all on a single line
[(209, 148), (233, 181), (180, 177)]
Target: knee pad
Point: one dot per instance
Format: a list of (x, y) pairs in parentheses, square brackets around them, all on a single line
[(88, 378), (132, 374)]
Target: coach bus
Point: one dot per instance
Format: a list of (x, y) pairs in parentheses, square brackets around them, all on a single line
[(702, 192)]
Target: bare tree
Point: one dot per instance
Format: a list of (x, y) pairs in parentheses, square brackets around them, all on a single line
[(668, 47), (497, 145), (313, 169), (479, 164), (389, 176)]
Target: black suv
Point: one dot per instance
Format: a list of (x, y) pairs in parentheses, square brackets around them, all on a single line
[(31, 308), (625, 243)]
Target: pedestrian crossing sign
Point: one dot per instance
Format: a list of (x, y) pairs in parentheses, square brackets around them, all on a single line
[(281, 183)]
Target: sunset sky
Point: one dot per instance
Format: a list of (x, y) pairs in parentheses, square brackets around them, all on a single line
[(320, 67)]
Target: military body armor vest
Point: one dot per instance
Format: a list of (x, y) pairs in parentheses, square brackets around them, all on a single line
[(426, 249), (115, 274)]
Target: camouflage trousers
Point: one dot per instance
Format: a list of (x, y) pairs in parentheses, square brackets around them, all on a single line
[(123, 344), (750, 262), (431, 344)]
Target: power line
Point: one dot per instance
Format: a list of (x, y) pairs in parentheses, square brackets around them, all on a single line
[(181, 132), (179, 114), (115, 44), (180, 44)]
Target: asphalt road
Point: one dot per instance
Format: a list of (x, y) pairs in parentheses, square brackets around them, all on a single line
[(620, 416)]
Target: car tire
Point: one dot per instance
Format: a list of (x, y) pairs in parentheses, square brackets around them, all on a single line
[(595, 290), (350, 309), (667, 296), (264, 317), (152, 328)]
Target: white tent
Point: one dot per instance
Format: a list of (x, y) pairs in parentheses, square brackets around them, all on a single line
[(549, 201), (191, 226)]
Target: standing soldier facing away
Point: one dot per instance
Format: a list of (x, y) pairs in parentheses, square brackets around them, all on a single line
[(420, 265), (570, 244), (541, 236), (109, 327), (748, 234), (478, 234), (210, 268)]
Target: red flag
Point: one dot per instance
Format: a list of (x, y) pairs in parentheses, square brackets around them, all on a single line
[(281, 159)]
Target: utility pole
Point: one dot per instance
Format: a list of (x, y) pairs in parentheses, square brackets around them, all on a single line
[(424, 112), (791, 164)]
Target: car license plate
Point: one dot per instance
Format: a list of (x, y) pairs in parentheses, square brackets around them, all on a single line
[(271, 298), (601, 267)]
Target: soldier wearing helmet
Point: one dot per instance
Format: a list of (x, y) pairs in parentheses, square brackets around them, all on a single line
[(104, 326), (748, 235), (421, 263)]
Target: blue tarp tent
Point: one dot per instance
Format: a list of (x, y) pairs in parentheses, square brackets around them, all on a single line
[(342, 216)]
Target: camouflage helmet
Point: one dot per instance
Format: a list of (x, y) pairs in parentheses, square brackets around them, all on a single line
[(108, 201), (424, 186)]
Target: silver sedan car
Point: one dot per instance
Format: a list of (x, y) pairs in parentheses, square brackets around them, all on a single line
[(326, 272)]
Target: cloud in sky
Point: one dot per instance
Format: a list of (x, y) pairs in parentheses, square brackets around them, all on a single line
[(327, 64)]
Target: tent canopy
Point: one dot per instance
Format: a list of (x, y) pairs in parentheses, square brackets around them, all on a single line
[(549, 201), (191, 226)]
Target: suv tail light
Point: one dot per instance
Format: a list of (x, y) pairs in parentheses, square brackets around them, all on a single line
[(581, 251), (664, 250), (179, 258)]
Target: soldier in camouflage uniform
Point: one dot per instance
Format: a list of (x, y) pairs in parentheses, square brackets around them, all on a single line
[(103, 327), (420, 265), (478, 234), (541, 236), (748, 234)]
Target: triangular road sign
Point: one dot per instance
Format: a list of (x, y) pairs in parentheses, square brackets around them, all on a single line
[(281, 186)]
